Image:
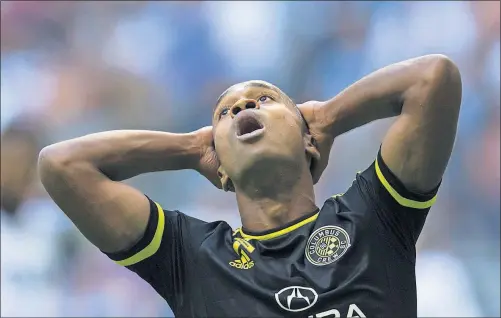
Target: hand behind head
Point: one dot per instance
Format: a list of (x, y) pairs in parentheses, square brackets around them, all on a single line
[(323, 140), (209, 162)]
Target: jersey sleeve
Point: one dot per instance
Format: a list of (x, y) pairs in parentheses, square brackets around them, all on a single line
[(400, 212), (166, 253)]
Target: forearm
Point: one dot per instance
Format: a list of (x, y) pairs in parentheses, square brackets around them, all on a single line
[(123, 154), (381, 94)]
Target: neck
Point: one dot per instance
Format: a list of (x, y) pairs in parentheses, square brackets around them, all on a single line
[(275, 199)]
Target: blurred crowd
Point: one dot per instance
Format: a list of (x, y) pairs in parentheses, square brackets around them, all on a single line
[(73, 68)]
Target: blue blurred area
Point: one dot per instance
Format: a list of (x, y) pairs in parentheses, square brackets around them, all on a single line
[(72, 68)]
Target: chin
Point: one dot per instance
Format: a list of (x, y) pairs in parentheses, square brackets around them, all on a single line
[(262, 148)]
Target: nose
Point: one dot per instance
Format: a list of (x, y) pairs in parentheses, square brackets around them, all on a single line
[(242, 105)]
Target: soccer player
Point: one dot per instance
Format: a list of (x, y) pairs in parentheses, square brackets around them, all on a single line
[(354, 256)]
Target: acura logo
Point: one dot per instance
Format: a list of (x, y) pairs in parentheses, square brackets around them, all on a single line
[(296, 298)]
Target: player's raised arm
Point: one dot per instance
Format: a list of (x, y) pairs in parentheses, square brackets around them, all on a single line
[(425, 94), (83, 177)]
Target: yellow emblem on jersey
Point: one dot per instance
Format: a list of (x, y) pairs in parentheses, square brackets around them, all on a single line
[(243, 249)]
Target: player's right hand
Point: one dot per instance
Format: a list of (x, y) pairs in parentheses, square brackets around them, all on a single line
[(209, 163), (314, 117)]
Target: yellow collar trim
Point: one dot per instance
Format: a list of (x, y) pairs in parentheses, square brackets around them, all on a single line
[(279, 232)]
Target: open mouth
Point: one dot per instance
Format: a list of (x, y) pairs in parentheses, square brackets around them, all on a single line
[(247, 124)]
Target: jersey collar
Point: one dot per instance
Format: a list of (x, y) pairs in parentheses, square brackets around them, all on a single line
[(279, 231)]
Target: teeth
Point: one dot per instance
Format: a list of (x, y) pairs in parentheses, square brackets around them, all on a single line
[(251, 134)]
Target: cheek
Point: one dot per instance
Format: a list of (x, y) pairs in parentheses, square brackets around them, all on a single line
[(285, 115), (290, 133), (287, 124)]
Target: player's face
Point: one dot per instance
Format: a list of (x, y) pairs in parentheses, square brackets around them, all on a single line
[(255, 123)]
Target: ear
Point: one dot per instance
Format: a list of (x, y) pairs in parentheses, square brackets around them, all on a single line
[(226, 183), (312, 152)]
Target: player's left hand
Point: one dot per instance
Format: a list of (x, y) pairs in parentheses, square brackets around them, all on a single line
[(319, 131)]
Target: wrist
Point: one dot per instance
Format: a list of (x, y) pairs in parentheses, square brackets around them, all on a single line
[(201, 146), (332, 123), (194, 150)]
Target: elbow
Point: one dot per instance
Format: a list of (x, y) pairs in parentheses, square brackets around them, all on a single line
[(50, 155), (443, 69), (443, 83), (52, 161), (65, 160), (46, 163)]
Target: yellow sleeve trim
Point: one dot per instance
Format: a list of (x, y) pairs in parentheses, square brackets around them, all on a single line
[(400, 199), (154, 245)]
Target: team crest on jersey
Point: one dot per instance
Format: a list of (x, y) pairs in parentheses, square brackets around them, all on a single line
[(326, 245)]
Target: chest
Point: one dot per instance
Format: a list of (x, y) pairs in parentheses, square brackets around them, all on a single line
[(318, 273)]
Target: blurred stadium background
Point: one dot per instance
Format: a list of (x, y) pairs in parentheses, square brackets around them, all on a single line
[(72, 68)]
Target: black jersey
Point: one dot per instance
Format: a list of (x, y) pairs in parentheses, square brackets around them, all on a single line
[(353, 257)]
